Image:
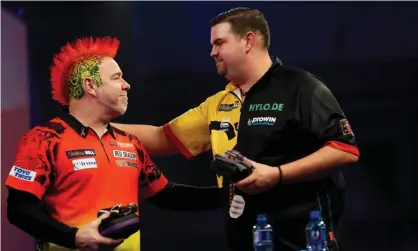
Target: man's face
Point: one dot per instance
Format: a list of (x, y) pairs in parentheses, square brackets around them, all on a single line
[(113, 92), (227, 50)]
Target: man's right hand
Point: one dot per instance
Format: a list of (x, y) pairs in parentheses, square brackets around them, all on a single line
[(88, 237)]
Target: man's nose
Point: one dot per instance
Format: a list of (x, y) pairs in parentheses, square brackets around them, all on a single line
[(213, 52), (126, 86)]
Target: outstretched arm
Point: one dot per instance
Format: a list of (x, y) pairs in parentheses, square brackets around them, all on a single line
[(152, 137), (187, 134), (154, 187)]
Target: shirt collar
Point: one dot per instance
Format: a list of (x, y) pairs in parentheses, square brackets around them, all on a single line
[(276, 61), (77, 126)]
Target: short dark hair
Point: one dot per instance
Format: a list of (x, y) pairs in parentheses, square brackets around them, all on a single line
[(243, 20)]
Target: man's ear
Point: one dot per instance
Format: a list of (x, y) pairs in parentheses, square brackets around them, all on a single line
[(249, 40), (89, 87)]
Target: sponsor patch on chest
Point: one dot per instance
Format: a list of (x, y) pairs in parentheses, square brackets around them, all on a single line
[(80, 153), (228, 107), (126, 163), (80, 164), (266, 107), (257, 121), (124, 154), (121, 144)]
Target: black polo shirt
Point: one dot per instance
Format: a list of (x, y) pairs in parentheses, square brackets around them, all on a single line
[(287, 115)]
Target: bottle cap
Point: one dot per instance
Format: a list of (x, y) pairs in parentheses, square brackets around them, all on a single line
[(261, 217), (315, 215)]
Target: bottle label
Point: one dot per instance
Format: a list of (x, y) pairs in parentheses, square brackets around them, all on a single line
[(317, 238), (256, 237), (263, 236)]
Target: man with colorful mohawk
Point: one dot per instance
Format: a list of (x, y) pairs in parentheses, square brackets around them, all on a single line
[(71, 172)]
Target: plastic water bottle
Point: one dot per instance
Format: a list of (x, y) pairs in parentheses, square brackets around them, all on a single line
[(316, 233), (262, 235)]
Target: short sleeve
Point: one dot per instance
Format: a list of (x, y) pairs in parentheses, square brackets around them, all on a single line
[(32, 167), (322, 115), (190, 131), (151, 180)]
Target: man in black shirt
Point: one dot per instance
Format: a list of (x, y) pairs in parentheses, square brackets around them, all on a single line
[(293, 132), (283, 119)]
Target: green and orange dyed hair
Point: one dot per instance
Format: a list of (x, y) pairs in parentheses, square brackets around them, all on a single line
[(75, 62)]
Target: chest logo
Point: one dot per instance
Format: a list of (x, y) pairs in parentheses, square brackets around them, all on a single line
[(121, 144), (257, 121), (126, 163), (80, 153), (124, 154), (266, 107), (224, 126), (228, 107), (80, 164)]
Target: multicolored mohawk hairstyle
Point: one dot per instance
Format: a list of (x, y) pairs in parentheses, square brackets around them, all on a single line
[(75, 62)]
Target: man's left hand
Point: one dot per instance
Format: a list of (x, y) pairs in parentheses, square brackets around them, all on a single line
[(262, 178)]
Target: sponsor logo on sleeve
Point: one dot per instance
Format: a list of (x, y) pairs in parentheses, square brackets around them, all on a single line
[(345, 127), (124, 154), (80, 153), (22, 173), (80, 164)]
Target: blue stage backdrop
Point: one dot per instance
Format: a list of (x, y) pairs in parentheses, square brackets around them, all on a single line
[(367, 53)]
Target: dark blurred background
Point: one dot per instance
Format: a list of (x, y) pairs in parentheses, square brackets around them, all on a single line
[(366, 52)]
